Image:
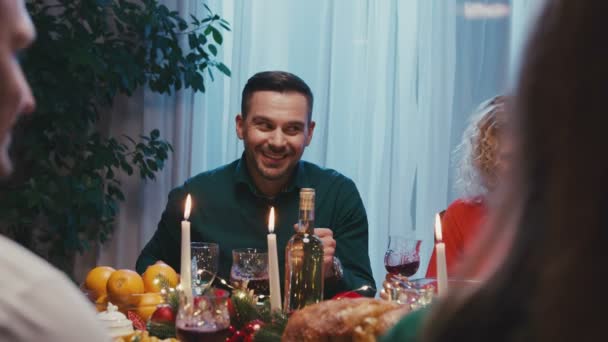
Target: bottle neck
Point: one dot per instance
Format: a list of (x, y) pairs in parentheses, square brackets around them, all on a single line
[(306, 222)]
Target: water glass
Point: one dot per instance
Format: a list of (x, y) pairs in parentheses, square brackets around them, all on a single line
[(205, 263)]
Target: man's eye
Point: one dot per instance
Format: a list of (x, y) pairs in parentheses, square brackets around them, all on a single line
[(265, 126), (292, 130)]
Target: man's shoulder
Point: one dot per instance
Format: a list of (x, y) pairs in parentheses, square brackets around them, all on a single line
[(39, 313), (322, 174), (21, 268), (224, 173)]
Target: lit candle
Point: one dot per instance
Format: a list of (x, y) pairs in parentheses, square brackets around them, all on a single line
[(442, 271), (273, 265), (186, 260)]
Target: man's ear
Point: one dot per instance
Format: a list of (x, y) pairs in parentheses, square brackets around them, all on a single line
[(311, 129), (239, 125)]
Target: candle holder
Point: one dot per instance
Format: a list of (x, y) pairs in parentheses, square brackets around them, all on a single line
[(205, 318)]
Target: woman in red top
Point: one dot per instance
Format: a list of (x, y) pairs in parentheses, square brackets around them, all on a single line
[(481, 160)]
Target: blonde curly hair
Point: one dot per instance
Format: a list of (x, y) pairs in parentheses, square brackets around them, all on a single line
[(476, 155)]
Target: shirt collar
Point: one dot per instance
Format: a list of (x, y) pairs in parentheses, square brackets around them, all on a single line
[(298, 180)]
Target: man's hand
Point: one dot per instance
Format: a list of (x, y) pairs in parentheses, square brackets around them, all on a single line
[(329, 248)]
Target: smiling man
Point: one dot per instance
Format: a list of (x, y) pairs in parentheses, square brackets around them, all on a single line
[(232, 202)]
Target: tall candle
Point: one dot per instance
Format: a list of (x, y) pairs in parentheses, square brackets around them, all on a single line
[(442, 271), (273, 265), (186, 260)]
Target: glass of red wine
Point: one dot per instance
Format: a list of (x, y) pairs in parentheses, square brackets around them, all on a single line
[(250, 270), (203, 317), (402, 256)]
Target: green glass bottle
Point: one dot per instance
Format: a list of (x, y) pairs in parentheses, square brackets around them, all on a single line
[(304, 259)]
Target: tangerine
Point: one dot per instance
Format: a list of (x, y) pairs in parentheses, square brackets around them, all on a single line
[(147, 304), (122, 285), (96, 281), (101, 303), (159, 276)]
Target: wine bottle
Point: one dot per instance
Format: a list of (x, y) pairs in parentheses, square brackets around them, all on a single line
[(304, 259)]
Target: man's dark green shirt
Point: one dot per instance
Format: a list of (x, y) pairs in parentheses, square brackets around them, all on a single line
[(228, 210)]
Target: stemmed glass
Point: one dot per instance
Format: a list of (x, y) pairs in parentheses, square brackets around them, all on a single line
[(250, 269), (402, 256), (205, 260)]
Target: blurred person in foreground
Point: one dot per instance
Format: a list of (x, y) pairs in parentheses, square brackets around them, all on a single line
[(482, 157), (37, 302), (546, 271)]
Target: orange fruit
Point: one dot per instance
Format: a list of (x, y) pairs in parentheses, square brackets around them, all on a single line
[(159, 276), (123, 285), (147, 304), (96, 281), (101, 304)]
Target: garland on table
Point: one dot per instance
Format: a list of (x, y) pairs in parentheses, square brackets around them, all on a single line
[(254, 322), (250, 321)]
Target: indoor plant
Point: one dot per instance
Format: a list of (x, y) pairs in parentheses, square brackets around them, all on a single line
[(65, 192)]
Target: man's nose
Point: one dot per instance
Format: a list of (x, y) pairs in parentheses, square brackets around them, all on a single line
[(277, 139), (28, 105)]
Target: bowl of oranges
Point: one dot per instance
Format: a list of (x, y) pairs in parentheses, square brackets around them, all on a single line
[(129, 291)]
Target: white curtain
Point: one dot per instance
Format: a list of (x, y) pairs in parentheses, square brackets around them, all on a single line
[(394, 82), (522, 18)]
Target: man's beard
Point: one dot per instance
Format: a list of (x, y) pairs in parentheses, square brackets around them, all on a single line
[(267, 173)]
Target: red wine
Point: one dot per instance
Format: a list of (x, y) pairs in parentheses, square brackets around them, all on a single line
[(259, 286), (407, 269), (201, 335)]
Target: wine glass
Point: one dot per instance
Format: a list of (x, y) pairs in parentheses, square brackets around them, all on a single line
[(203, 317), (250, 269), (205, 259), (402, 256)]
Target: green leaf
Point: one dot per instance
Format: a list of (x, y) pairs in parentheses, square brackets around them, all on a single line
[(192, 41), (152, 164), (224, 69), (225, 26), (195, 20), (213, 49), (217, 36)]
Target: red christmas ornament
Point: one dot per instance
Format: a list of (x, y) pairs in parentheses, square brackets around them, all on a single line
[(138, 322), (163, 314), (253, 326)]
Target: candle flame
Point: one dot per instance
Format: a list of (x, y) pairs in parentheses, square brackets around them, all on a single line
[(271, 221), (438, 235), (188, 206)]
